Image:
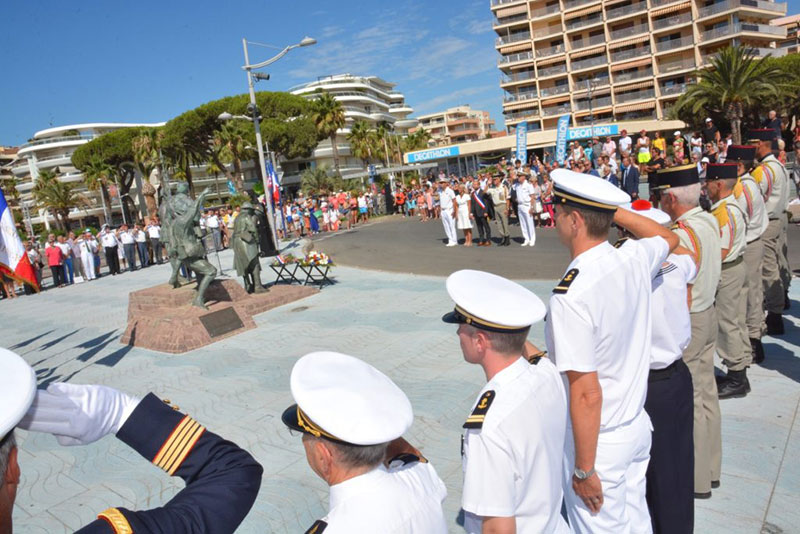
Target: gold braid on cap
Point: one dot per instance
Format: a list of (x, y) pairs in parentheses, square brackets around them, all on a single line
[(312, 428), (474, 320)]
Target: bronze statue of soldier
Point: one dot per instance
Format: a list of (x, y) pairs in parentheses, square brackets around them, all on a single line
[(246, 249)]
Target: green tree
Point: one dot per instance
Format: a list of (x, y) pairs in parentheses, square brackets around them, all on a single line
[(329, 117), (214, 170), (735, 82), (788, 102), (97, 175), (57, 197), (319, 180), (234, 140), (362, 141)]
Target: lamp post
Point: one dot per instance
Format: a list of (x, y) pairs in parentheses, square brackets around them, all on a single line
[(248, 68)]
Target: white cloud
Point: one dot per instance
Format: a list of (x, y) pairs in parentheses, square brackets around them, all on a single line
[(329, 31), (452, 98)]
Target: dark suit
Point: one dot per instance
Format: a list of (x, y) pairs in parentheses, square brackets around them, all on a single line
[(630, 181), (612, 179), (222, 480), (481, 214)]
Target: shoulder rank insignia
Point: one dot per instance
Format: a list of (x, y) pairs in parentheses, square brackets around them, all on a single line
[(475, 420), (621, 241), (721, 214), (318, 527), (565, 282), (534, 358), (405, 459)]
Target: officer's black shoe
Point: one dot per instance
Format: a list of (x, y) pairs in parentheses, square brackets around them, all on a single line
[(735, 386), (714, 484), (706, 495), (774, 324), (758, 350), (787, 302)]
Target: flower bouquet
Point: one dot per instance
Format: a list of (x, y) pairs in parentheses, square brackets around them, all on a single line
[(317, 258), (281, 259)]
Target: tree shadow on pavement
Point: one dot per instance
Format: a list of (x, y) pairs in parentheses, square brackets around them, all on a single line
[(58, 340), (28, 341)]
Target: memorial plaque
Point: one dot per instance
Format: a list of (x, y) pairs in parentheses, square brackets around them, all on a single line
[(221, 322)]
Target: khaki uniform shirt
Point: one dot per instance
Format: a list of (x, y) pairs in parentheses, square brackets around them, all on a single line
[(748, 196), (698, 231), (731, 221), (499, 195), (773, 179)]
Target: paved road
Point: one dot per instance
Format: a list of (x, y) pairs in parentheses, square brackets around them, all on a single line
[(406, 245)]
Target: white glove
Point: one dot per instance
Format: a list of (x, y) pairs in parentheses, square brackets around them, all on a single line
[(78, 415)]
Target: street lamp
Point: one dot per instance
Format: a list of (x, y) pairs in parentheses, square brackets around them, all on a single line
[(248, 68)]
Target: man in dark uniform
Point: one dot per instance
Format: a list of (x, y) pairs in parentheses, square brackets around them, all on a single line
[(222, 480), (481, 211)]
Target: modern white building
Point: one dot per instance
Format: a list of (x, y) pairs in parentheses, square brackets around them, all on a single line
[(366, 98), (457, 125)]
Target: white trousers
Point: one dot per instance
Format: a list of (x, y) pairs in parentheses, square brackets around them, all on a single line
[(621, 463), (449, 224), (88, 266), (526, 223)]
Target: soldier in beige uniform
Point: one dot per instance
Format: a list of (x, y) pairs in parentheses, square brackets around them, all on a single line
[(499, 195), (731, 301), (773, 179), (679, 192), (748, 196)]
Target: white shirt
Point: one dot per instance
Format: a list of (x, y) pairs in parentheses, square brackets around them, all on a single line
[(400, 500), (140, 237), (752, 203), (154, 231), (602, 322), (108, 239), (126, 238), (446, 198), (513, 464), (672, 325), (362, 202), (625, 144), (524, 192), (612, 163), (212, 221), (88, 247), (773, 179), (65, 248)]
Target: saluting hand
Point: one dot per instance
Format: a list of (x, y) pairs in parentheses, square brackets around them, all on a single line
[(590, 491)]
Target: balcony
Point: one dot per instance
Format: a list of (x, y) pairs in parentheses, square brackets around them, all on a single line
[(628, 76), (504, 2), (520, 97), (522, 114), (622, 55), (513, 38), (674, 44), (547, 32), (589, 63), (625, 11), (591, 41), (635, 95), (595, 103), (777, 31), (659, 3), (624, 33), (517, 77), (550, 51), (556, 110), (673, 90), (510, 20), (545, 11), (552, 71), (514, 58), (670, 22), (572, 4), (666, 67), (546, 92), (774, 52), (50, 140), (716, 33), (575, 24), (727, 5), (598, 79)]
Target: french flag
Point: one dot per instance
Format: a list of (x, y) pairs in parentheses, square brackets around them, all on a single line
[(14, 261), (274, 185)]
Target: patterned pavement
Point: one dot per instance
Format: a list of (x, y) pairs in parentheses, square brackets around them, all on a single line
[(238, 388)]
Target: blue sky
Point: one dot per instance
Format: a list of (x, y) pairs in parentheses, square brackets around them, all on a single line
[(147, 61)]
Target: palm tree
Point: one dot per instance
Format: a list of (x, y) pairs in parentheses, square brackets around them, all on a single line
[(381, 131), (328, 115), (57, 197), (233, 144), (97, 175), (319, 180), (146, 151), (215, 170), (362, 141), (736, 81)]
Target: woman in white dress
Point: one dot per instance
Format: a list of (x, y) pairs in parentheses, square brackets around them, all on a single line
[(464, 214)]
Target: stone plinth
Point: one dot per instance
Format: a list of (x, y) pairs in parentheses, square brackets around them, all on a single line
[(161, 318)]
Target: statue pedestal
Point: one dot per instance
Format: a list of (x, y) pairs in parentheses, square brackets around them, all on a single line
[(161, 318)]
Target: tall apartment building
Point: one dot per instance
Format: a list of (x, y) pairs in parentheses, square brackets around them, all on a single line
[(457, 125), (791, 44), (366, 98), (636, 56)]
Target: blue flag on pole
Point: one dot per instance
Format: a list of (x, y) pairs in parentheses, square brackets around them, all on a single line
[(522, 142), (561, 138)]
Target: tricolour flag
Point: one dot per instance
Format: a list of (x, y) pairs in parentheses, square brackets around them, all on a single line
[(14, 261), (274, 185)]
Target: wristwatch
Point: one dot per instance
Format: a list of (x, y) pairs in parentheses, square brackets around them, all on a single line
[(580, 474)]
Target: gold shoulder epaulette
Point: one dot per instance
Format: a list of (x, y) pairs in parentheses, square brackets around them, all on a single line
[(565, 282), (721, 214), (475, 419)]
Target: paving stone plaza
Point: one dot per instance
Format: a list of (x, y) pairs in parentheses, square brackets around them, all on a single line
[(239, 386)]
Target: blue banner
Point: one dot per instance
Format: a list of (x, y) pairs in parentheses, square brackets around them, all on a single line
[(231, 188), (433, 153), (522, 142), (561, 138), (586, 132)]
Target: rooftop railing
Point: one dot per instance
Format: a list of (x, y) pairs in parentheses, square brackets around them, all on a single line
[(50, 140)]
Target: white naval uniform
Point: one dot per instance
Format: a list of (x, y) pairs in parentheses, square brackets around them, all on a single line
[(525, 193), (447, 199), (600, 320), (88, 249), (512, 464), (672, 325), (399, 500)]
